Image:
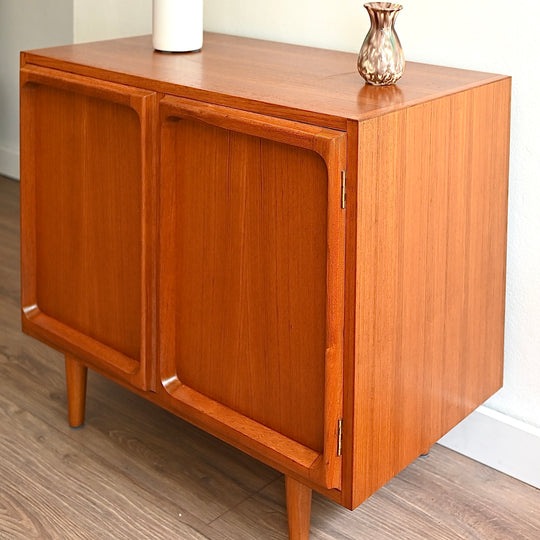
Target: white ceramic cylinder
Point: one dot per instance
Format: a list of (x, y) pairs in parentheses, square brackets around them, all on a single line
[(177, 25)]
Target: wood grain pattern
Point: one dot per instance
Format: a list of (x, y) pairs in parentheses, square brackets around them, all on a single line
[(135, 467), (247, 225), (235, 318), (430, 286), (310, 85), (86, 273)]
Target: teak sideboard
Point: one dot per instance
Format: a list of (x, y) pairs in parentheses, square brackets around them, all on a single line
[(310, 268)]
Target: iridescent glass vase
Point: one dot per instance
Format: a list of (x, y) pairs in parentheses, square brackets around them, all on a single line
[(381, 59)]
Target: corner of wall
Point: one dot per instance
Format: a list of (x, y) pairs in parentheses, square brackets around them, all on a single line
[(499, 441)]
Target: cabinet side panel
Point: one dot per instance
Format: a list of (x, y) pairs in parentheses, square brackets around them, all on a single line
[(250, 245), (88, 216), (432, 207)]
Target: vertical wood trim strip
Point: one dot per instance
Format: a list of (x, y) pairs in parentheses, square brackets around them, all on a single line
[(336, 162)]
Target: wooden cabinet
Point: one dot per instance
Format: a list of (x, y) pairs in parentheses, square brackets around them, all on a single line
[(311, 269)]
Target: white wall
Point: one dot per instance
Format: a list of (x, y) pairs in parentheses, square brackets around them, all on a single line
[(333, 24), (486, 35), (106, 19), (24, 24)]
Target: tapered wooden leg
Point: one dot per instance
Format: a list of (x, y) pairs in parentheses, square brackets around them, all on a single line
[(76, 390), (298, 508)]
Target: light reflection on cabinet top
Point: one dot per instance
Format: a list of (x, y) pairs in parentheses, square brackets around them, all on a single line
[(302, 83)]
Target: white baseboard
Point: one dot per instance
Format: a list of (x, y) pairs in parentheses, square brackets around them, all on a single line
[(9, 163), (499, 441)]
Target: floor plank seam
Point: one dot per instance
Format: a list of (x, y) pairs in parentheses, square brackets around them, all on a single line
[(252, 495)]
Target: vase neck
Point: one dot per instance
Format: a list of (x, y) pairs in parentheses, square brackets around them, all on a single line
[(382, 18)]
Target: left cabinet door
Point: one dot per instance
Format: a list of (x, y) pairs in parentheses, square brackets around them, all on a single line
[(88, 220)]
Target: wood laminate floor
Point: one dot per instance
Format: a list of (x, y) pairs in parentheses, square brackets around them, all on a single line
[(137, 472)]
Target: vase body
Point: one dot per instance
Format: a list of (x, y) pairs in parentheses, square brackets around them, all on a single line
[(177, 25), (381, 60)]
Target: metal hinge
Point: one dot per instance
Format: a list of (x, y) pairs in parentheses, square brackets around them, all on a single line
[(339, 436), (343, 188)]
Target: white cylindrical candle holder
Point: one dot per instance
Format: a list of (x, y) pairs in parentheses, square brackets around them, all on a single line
[(177, 25)]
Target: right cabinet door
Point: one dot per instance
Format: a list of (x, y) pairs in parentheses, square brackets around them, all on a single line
[(251, 281)]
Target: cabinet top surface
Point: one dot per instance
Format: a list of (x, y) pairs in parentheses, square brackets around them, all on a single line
[(304, 83)]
